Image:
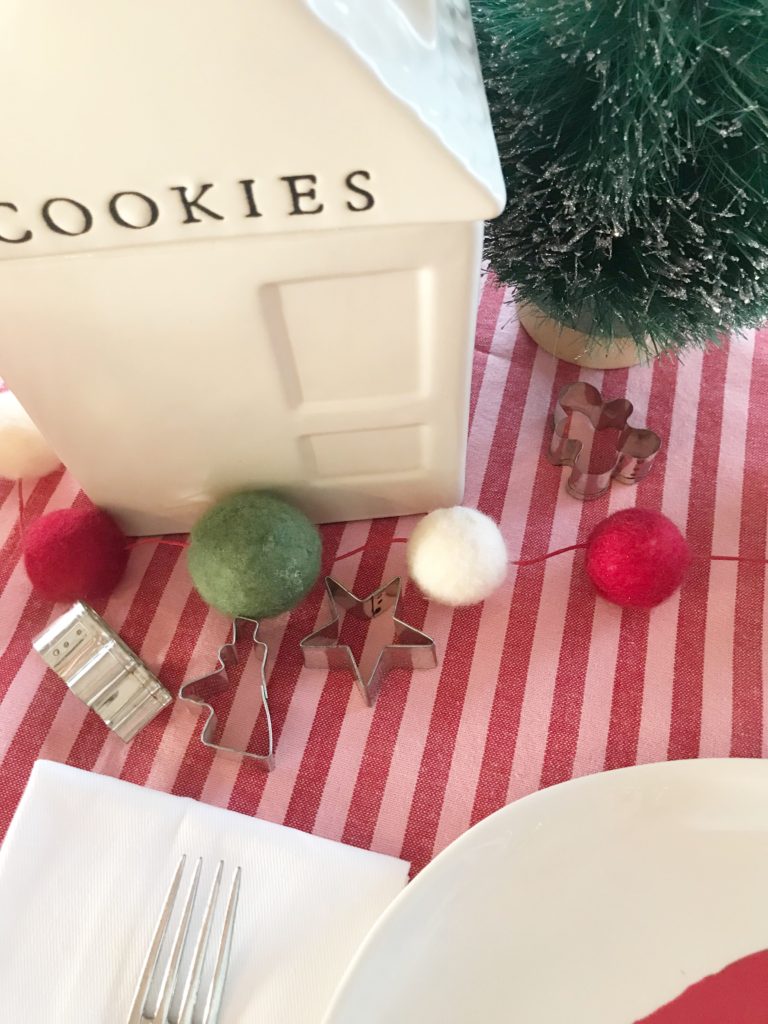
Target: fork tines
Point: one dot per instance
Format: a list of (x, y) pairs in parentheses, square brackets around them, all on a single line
[(162, 995)]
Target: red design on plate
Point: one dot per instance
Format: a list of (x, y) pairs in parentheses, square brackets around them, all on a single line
[(736, 995)]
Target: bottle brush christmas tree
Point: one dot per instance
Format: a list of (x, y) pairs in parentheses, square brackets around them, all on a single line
[(634, 139)]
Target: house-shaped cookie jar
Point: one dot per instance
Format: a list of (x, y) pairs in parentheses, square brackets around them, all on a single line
[(240, 245)]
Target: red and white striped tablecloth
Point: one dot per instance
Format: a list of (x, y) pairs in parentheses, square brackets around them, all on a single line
[(542, 683)]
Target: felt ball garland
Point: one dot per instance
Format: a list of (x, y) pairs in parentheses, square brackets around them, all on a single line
[(255, 555)]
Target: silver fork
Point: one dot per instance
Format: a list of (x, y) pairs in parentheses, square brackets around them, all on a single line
[(175, 1001)]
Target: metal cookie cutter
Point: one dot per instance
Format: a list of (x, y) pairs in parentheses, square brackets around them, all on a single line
[(102, 670), (635, 448), (410, 648), (197, 691)]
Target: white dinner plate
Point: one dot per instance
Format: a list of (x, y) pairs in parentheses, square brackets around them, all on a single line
[(594, 902)]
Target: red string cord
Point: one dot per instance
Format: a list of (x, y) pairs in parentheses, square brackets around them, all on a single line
[(549, 554), (158, 540), (20, 496), (356, 551), (522, 562)]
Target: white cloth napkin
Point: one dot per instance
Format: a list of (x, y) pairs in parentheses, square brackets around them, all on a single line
[(85, 868)]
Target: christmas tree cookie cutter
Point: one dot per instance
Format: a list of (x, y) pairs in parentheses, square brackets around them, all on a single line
[(197, 692), (410, 647), (636, 448)]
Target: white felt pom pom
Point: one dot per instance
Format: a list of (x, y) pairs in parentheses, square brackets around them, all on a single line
[(457, 556), (24, 452)]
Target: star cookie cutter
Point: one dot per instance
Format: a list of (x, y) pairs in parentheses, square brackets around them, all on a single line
[(410, 647), (196, 691), (636, 448)]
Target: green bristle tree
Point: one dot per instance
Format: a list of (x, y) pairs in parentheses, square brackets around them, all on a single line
[(634, 140)]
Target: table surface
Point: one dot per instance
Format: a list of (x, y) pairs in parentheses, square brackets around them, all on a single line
[(541, 683)]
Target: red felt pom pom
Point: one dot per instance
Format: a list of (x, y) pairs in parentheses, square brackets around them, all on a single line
[(75, 554), (637, 558)]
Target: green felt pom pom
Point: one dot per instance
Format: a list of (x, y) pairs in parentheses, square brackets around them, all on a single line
[(254, 555)]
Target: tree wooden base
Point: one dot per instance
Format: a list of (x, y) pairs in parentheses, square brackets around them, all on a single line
[(572, 346)]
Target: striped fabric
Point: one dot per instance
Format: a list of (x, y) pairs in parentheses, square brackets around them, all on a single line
[(542, 683)]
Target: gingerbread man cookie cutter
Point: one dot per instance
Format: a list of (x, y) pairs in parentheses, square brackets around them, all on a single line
[(636, 448)]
